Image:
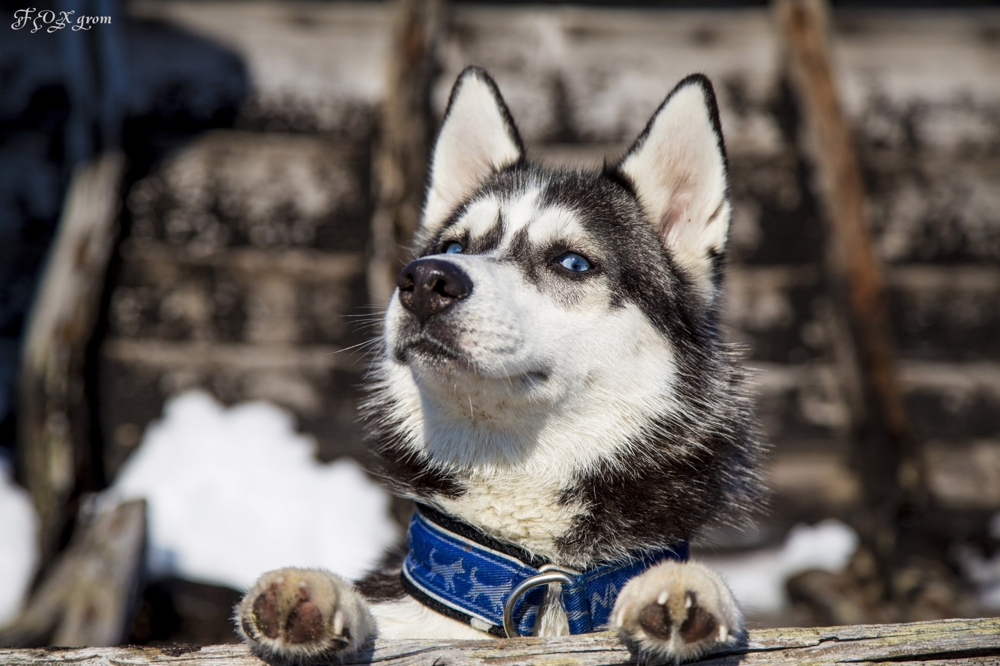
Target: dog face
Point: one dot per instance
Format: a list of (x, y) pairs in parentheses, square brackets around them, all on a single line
[(557, 323)]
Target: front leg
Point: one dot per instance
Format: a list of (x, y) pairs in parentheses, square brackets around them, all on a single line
[(677, 611), (295, 616)]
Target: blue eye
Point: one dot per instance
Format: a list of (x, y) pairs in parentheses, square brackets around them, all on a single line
[(574, 262), (453, 248)]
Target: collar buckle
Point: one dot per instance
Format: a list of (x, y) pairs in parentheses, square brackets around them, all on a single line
[(549, 574)]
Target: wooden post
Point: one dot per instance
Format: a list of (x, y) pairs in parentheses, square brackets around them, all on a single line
[(90, 594), (399, 164), (883, 452), (54, 450)]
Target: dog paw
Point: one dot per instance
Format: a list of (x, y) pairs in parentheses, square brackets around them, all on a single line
[(293, 616), (677, 611)]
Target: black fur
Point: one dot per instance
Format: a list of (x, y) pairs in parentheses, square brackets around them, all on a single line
[(384, 582), (667, 489), (480, 537), (407, 474)]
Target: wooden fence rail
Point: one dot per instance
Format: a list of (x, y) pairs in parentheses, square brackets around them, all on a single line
[(967, 642)]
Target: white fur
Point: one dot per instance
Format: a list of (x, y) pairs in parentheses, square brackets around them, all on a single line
[(408, 618), (481, 215), (474, 141), (521, 212), (521, 423), (556, 223), (680, 177)]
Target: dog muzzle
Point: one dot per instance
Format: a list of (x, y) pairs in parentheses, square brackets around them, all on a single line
[(458, 571)]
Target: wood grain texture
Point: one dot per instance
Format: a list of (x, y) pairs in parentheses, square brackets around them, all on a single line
[(959, 642), (804, 24), (313, 66), (892, 476), (88, 597), (54, 449)]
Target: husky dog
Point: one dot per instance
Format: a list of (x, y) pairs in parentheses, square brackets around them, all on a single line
[(552, 390)]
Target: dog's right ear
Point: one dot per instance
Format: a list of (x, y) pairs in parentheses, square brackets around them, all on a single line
[(477, 138), (677, 167)]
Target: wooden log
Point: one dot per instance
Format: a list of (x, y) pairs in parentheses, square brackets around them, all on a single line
[(947, 641), (891, 473), (89, 596), (54, 449), (312, 66)]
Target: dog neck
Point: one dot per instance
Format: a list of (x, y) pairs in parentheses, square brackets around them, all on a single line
[(586, 487)]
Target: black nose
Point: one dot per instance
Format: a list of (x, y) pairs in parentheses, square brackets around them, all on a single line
[(430, 286)]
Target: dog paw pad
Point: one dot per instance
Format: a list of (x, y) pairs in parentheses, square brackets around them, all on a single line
[(655, 621), (699, 623), (295, 615), (305, 623), (676, 611), (265, 612)]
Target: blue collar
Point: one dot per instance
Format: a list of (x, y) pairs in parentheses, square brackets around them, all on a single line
[(464, 574)]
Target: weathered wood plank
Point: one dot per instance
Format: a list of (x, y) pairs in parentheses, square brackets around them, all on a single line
[(88, 597), (313, 66), (244, 295), (947, 400), (54, 448), (959, 642), (244, 189)]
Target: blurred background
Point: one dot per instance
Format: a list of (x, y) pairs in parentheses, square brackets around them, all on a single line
[(202, 205)]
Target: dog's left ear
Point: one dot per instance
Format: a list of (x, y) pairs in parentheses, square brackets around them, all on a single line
[(478, 137), (678, 169)]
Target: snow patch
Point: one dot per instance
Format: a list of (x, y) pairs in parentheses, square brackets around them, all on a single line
[(235, 492), (758, 578), (983, 572), (18, 547)]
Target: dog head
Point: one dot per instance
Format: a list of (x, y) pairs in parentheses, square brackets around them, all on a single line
[(556, 322)]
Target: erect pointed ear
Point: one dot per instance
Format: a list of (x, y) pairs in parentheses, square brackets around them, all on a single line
[(678, 169), (477, 138)]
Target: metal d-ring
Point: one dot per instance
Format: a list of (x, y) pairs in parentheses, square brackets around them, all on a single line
[(548, 575)]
